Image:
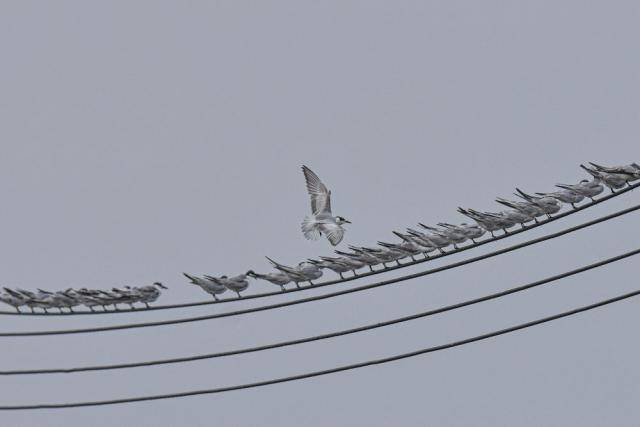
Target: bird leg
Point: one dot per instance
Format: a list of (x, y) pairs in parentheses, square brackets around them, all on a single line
[(341, 276)]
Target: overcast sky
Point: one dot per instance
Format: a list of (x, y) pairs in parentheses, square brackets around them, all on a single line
[(141, 139)]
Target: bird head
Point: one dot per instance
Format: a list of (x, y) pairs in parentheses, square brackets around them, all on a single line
[(340, 220), (251, 273)]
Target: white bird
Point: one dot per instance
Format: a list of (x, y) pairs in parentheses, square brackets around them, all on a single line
[(335, 266), (303, 272), (355, 264), (278, 278), (453, 236), (527, 208), (410, 240), (585, 187), (486, 222), (321, 219), (630, 172), (149, 293), (211, 287), (236, 284), (362, 257), (612, 180), (548, 204), (13, 298), (564, 196), (471, 231), (382, 255)]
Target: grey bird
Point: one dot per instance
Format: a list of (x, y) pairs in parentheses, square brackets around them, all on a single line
[(149, 293), (548, 204), (471, 231), (564, 196), (413, 241), (585, 188), (335, 266), (303, 272), (321, 219), (360, 256), (355, 264), (382, 255), (486, 222), (213, 288), (236, 284), (529, 209), (454, 237), (630, 172), (13, 298), (403, 248), (279, 278), (612, 180)]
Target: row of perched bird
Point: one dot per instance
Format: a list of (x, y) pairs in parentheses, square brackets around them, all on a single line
[(413, 242), (90, 298)]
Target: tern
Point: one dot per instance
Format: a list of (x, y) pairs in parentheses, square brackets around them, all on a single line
[(424, 246), (527, 208), (149, 293), (352, 262), (236, 284), (408, 249), (382, 255), (13, 299), (564, 196), (321, 219), (451, 235), (335, 266), (612, 180), (279, 278), (631, 172), (214, 288), (486, 222), (359, 256), (471, 231), (303, 272), (548, 204), (585, 188)]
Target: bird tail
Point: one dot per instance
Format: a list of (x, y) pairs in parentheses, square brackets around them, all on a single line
[(309, 228)]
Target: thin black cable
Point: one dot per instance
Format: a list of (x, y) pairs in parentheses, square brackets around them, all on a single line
[(326, 371), (369, 327), (325, 296), (338, 281)]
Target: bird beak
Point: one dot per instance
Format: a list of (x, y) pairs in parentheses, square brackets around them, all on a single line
[(347, 221), (160, 285)]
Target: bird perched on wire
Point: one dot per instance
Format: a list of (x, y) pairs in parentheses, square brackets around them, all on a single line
[(629, 172), (321, 221)]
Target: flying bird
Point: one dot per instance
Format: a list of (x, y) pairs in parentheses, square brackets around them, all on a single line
[(321, 221)]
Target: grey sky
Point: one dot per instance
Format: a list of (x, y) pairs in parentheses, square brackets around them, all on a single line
[(143, 139)]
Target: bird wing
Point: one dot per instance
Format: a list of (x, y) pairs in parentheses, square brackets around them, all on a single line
[(334, 233), (320, 195)]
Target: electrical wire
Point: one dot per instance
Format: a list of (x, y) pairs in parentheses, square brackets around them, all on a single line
[(314, 374), (338, 281), (329, 335), (325, 296)]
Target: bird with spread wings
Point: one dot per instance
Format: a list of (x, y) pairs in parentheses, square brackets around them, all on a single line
[(321, 221)]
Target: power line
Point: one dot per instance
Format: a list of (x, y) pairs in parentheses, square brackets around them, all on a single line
[(329, 335), (326, 371), (325, 296), (342, 280)]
